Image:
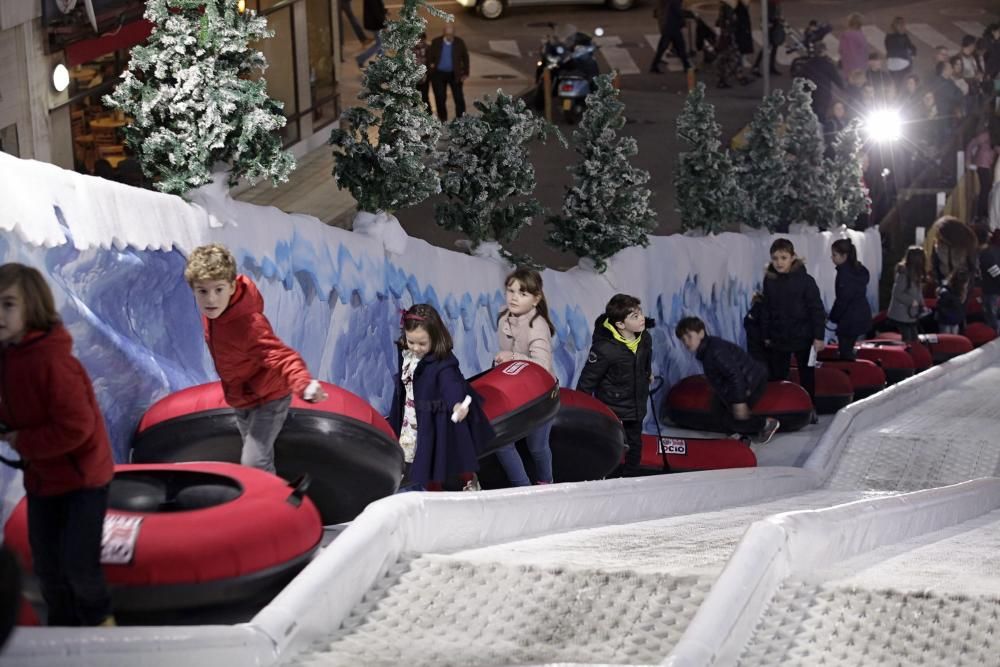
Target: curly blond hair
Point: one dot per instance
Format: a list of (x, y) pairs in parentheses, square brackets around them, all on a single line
[(210, 262)]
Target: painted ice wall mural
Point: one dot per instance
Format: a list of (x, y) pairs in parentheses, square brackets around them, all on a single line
[(114, 257)]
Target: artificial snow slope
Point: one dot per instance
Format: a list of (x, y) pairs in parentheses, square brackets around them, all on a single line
[(626, 593)]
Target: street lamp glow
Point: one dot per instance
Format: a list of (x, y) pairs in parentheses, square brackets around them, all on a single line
[(884, 125), (60, 78)]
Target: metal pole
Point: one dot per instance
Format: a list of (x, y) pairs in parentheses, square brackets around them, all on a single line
[(765, 54)]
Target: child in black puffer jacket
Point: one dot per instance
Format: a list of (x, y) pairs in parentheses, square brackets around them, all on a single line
[(793, 319), (851, 312)]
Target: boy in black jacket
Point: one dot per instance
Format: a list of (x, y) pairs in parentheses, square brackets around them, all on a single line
[(737, 380), (619, 368)]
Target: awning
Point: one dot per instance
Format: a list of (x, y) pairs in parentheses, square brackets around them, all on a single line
[(125, 37)]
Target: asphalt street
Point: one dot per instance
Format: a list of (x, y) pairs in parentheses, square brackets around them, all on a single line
[(654, 101)]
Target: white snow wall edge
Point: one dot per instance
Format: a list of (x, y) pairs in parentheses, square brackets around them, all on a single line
[(322, 596), (796, 543)]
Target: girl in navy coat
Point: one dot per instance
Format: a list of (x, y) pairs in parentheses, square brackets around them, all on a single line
[(851, 312), (430, 390)]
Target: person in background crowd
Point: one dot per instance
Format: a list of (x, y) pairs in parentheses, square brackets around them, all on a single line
[(989, 270), (374, 18), (973, 70), (448, 63), (775, 37), (958, 78), (836, 120), (670, 16), (899, 50), (853, 46), (907, 301), (851, 311), (991, 55), (981, 156), (950, 309), (948, 96), (823, 73), (883, 86), (347, 10)]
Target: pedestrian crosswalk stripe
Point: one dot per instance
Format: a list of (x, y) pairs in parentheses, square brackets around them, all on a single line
[(619, 59), (973, 28), (505, 46), (607, 40), (931, 37), (875, 37), (653, 40)]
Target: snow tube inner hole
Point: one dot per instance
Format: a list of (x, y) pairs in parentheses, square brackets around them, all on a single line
[(170, 491)]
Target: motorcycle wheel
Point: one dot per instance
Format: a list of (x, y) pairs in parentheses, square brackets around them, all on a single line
[(490, 9), (621, 5)]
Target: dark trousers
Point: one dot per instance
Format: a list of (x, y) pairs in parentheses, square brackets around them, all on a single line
[(845, 347), (774, 59), (440, 82), (65, 535), (753, 425), (985, 183), (633, 439), (780, 361), (673, 38)]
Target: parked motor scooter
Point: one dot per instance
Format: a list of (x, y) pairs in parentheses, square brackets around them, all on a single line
[(572, 64)]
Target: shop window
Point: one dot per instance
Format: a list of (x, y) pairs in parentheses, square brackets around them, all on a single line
[(279, 51), (322, 72)]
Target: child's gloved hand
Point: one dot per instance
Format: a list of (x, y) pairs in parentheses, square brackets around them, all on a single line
[(314, 392), (461, 410)]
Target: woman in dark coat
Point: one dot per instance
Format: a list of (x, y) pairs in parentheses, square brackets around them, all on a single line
[(851, 311)]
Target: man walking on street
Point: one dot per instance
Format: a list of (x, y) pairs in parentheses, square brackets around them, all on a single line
[(448, 64), (670, 14)]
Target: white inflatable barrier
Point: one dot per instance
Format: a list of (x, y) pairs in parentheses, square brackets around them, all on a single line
[(321, 597), (879, 407), (797, 543)]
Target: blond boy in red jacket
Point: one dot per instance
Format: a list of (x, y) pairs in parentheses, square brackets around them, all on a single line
[(259, 372)]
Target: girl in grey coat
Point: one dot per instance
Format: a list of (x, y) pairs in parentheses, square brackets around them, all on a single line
[(907, 293)]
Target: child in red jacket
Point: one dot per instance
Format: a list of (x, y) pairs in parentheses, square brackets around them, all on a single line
[(259, 373), (51, 418)]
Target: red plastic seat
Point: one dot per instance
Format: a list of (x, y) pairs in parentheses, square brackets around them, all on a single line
[(689, 454), (921, 356), (979, 333), (689, 404), (946, 346), (833, 389)]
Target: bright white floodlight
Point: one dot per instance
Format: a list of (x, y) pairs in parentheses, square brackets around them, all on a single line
[(884, 125)]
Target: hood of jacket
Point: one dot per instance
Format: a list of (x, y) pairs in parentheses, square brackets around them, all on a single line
[(54, 341), (246, 300), (772, 273)]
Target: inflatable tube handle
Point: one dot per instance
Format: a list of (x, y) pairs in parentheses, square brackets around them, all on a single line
[(299, 487)]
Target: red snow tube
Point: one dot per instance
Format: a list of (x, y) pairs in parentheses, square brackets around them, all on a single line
[(518, 396), (833, 389), (897, 363), (346, 447), (205, 535), (920, 355), (865, 376), (979, 333), (689, 405), (946, 346), (690, 454)]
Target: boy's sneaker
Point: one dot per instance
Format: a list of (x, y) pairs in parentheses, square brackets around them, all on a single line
[(472, 484), (770, 428)]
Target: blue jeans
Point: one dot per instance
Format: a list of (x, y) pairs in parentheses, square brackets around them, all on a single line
[(371, 51), (65, 535), (538, 446), (259, 427)]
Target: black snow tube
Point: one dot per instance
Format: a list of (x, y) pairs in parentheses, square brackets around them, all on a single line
[(343, 444)]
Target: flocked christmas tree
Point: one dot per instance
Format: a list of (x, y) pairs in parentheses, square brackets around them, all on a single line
[(810, 195), (191, 102), (850, 194), (761, 169), (607, 208), (708, 196), (382, 151), (486, 173)]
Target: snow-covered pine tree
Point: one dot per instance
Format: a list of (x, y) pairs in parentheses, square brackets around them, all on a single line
[(191, 101), (761, 168), (485, 172), (607, 208), (390, 170), (809, 198), (708, 196), (850, 194)]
